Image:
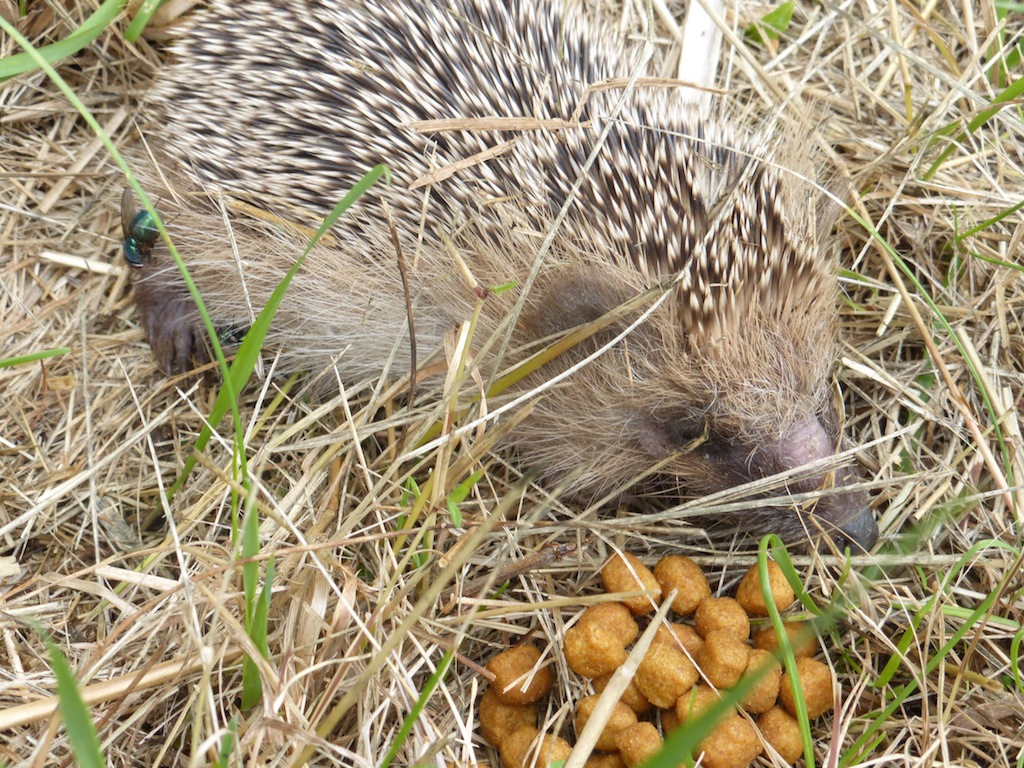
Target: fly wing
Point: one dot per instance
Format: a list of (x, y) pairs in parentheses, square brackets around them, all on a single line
[(128, 209)]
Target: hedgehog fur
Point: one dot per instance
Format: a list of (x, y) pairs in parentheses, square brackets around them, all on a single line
[(285, 104)]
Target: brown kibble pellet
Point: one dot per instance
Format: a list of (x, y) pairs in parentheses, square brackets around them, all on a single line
[(638, 743), (519, 748), (498, 720), (515, 747), (553, 749), (631, 695), (682, 636), (682, 574), (613, 760), (664, 674), (768, 672), (613, 617), (816, 684), (782, 731), (801, 637), (625, 573), (621, 718), (723, 658), (592, 651), (721, 613), (695, 702), (732, 743), (518, 667), (748, 593)]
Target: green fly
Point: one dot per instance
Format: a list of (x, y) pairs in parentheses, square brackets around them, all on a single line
[(139, 230)]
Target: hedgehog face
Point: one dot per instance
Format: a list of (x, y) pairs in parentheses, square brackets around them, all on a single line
[(719, 442), (710, 414), (797, 464)]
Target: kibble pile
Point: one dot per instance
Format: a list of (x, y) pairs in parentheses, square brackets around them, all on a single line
[(679, 677)]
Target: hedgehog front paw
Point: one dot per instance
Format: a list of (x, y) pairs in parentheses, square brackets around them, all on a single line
[(170, 321)]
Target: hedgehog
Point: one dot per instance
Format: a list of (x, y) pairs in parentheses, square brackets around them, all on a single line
[(515, 140)]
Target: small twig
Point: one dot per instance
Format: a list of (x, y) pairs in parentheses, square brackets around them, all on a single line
[(399, 256)]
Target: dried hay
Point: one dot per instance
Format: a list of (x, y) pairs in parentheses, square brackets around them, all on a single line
[(144, 598)]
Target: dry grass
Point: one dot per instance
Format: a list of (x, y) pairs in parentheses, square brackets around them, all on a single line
[(144, 596)]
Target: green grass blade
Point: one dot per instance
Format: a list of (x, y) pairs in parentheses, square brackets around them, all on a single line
[(771, 25), (227, 744), (252, 686), (458, 495), (91, 28), (142, 17), (33, 357), (418, 707), (85, 742)]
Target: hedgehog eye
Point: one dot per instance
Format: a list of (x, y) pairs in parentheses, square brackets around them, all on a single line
[(684, 432), (660, 436)]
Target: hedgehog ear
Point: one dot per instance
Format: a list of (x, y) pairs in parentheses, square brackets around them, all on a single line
[(571, 297)]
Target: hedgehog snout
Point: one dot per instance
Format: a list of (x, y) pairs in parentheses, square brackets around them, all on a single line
[(808, 442), (843, 514), (858, 529)]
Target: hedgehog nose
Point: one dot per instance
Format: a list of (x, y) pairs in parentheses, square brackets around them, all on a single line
[(858, 533)]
